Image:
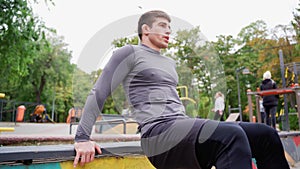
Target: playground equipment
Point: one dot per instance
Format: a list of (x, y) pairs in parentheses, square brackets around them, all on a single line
[(258, 94), (184, 95), (114, 155), (291, 90), (6, 129), (109, 122), (2, 95), (289, 75), (20, 113)]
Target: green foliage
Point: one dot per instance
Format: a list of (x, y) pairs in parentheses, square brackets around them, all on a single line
[(35, 67), (124, 41), (36, 63), (294, 123), (205, 105), (20, 31), (82, 84)]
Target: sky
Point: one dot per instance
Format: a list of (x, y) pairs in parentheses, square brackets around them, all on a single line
[(79, 21)]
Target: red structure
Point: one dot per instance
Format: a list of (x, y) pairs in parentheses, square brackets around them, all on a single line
[(294, 89)]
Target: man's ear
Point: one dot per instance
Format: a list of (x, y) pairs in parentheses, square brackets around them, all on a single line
[(145, 29)]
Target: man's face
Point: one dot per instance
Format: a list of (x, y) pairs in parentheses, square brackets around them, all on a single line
[(158, 34)]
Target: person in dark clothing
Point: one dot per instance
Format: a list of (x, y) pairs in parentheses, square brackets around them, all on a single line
[(262, 110), (169, 138), (270, 102)]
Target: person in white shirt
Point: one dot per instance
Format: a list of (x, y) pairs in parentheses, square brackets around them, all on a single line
[(219, 106)]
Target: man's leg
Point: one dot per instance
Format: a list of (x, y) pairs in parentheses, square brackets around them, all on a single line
[(227, 146), (217, 115), (267, 110), (263, 117), (273, 116), (265, 145)]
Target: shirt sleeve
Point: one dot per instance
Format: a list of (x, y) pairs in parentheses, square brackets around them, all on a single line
[(219, 104), (112, 75)]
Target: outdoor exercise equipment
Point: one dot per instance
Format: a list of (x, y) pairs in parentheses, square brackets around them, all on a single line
[(289, 72)]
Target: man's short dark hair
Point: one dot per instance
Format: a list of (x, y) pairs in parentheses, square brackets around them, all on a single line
[(149, 17)]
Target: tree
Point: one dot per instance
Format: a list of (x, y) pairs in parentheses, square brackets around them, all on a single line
[(49, 80), (19, 32), (296, 36)]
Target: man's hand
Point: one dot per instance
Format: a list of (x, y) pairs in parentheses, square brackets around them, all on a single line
[(85, 151), (220, 112)]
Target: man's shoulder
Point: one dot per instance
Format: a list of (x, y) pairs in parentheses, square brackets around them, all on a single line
[(123, 51), (129, 49)]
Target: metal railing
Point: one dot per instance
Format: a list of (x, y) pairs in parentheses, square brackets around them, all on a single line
[(124, 122)]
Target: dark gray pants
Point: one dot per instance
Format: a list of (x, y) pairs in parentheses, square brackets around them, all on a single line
[(232, 145), (271, 111)]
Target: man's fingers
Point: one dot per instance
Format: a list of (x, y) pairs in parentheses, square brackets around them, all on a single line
[(92, 157), (85, 152), (82, 160), (76, 160), (88, 157), (98, 149)]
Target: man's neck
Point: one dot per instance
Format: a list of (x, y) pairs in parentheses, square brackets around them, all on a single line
[(150, 45)]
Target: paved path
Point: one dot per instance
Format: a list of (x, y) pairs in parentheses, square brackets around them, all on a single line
[(37, 128)]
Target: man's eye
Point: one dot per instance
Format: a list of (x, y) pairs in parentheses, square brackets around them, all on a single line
[(163, 25)]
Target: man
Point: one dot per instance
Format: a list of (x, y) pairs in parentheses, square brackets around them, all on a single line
[(269, 102), (169, 138)]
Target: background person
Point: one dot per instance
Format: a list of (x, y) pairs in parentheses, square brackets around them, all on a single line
[(219, 106), (270, 102), (262, 110)]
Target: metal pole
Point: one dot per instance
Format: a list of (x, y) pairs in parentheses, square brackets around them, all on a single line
[(53, 102), (239, 94), (286, 124), (14, 112), (250, 106), (1, 110), (297, 93)]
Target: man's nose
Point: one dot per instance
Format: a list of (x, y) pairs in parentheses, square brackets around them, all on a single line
[(169, 31)]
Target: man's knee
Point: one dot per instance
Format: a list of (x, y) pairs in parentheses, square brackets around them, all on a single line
[(237, 132), (223, 132), (235, 139), (271, 134), (233, 132), (207, 130), (266, 130), (259, 133)]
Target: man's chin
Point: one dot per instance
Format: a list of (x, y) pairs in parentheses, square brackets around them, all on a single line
[(164, 46)]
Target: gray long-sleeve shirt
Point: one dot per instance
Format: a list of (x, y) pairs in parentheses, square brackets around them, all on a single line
[(149, 80)]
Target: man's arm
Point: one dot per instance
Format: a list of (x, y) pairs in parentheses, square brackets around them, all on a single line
[(113, 74)]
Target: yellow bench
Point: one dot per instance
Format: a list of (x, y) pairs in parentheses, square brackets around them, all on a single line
[(6, 129)]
